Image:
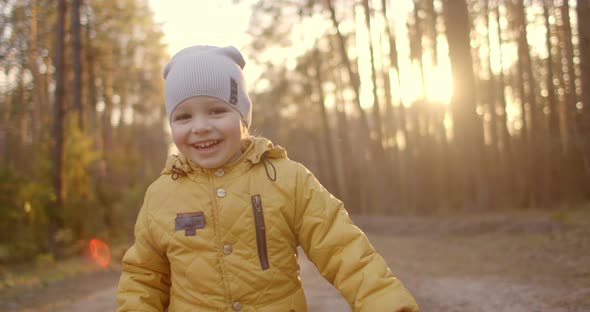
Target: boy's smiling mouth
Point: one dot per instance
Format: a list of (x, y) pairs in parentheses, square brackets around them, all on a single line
[(205, 146)]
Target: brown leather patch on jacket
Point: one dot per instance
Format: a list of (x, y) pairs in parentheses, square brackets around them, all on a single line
[(189, 222), (260, 231)]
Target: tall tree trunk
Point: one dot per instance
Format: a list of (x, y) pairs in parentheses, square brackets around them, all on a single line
[(494, 163), (505, 139), (583, 12), (78, 101), (331, 163), (6, 102), (553, 161), (107, 135), (23, 117), (418, 49), (467, 128), (535, 182), (355, 85), (77, 64), (523, 166), (55, 222), (352, 75), (389, 124), (570, 85), (573, 153), (91, 100), (404, 171), (36, 95), (351, 183), (492, 87), (432, 32), (395, 122), (416, 113), (45, 98), (381, 180), (376, 109)]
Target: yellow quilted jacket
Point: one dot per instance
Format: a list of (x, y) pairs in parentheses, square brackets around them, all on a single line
[(225, 240)]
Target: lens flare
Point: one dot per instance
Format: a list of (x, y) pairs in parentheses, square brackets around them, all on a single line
[(100, 252)]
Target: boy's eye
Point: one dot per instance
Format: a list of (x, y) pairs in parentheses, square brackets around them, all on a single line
[(218, 110), (182, 116)]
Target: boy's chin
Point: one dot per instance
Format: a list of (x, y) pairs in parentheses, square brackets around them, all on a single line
[(206, 165)]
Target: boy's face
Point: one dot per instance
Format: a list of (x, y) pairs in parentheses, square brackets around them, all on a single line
[(208, 131)]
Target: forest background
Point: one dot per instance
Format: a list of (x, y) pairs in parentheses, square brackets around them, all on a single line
[(400, 107)]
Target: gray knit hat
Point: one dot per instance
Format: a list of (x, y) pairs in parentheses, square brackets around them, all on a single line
[(211, 71)]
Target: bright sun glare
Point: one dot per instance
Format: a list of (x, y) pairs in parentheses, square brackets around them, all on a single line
[(190, 22), (203, 22)]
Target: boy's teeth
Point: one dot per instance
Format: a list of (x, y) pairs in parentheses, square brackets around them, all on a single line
[(207, 144)]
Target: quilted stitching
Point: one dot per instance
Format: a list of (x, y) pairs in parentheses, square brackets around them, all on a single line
[(204, 278)]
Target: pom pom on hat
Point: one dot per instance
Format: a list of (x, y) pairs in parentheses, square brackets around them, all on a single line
[(209, 71)]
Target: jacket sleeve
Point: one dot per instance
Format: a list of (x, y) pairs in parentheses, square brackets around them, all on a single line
[(342, 253), (145, 280)]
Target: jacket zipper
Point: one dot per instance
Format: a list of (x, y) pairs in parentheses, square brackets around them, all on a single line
[(260, 231)]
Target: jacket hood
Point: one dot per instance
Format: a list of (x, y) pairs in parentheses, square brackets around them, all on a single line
[(254, 150)]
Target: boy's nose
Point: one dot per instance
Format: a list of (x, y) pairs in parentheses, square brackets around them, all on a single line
[(201, 125)]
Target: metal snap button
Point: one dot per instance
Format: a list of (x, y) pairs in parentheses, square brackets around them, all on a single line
[(221, 192), (227, 249)]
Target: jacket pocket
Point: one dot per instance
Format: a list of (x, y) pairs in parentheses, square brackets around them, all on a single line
[(260, 231)]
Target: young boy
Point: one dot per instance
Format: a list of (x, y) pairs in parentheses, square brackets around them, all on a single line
[(219, 230)]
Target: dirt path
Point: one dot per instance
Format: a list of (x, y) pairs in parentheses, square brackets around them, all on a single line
[(321, 295), (517, 262), (526, 261)]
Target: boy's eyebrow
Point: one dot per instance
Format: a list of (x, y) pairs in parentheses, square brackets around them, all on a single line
[(210, 99)]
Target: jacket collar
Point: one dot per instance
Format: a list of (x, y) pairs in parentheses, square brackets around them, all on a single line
[(255, 150)]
